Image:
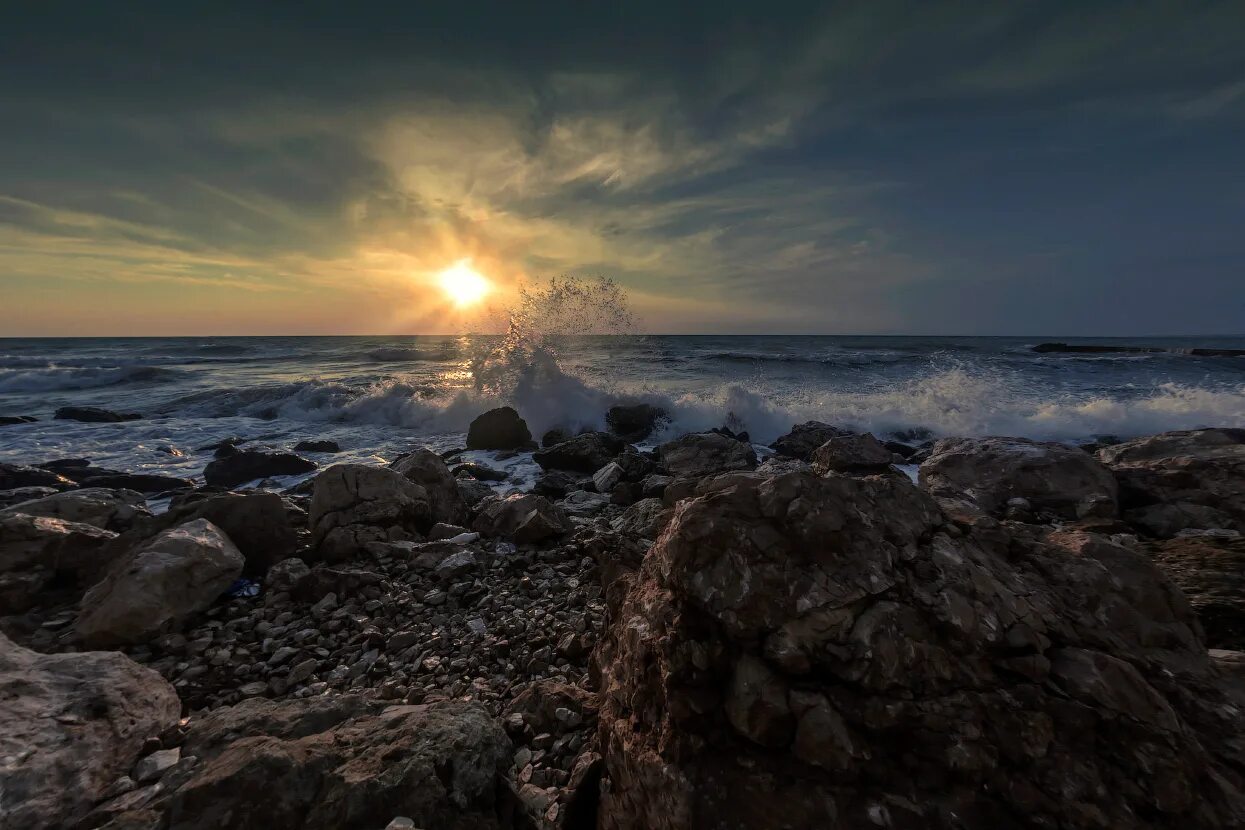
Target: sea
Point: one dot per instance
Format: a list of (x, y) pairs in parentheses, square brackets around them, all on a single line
[(380, 396)]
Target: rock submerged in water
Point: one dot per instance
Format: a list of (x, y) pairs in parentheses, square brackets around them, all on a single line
[(323, 446), (94, 415), (115, 510), (498, 429), (585, 453), (634, 422), (13, 420), (243, 466)]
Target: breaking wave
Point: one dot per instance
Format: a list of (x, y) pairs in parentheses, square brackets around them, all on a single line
[(59, 378)]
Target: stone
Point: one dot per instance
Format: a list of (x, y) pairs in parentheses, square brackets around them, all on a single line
[(13, 420), (354, 504), (156, 588), (555, 484), (480, 472), (262, 525), (93, 415), (705, 453), (425, 468), (249, 465), (17, 495), (986, 472), (324, 446), (13, 476), (525, 515), (799, 650), (606, 477), (70, 726), (498, 429), (286, 575), (805, 438), (654, 486), (645, 519), (1210, 571), (115, 510), (141, 482), (37, 550), (473, 492), (851, 453), (584, 453), (153, 766), (634, 422)]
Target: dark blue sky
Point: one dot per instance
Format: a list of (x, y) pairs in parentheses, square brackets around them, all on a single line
[(1028, 168)]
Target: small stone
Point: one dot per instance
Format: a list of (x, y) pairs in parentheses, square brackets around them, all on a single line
[(401, 823), (154, 765)]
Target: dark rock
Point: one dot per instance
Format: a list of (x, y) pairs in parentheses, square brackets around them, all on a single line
[(140, 482), (473, 491), (705, 453), (904, 451), (634, 422), (554, 436), (425, 468), (555, 484), (14, 476), (585, 453), (1089, 348), (354, 504), (38, 551), (498, 429), (262, 525), (851, 453), (526, 517), (317, 446), (804, 438), (10, 420), (249, 465), (116, 510), (481, 472), (17, 495), (93, 415), (1210, 570)]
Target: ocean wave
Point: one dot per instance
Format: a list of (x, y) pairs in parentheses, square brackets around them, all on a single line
[(398, 354), (843, 358), (62, 378)]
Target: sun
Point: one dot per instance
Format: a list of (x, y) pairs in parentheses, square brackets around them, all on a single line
[(464, 285)]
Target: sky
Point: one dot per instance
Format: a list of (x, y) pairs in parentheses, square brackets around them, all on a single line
[(882, 167)]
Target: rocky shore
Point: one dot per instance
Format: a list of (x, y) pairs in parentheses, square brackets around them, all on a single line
[(698, 634)]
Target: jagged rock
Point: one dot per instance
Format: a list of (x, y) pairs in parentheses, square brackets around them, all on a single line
[(287, 575), (1211, 572), (178, 573), (498, 429), (654, 486), (705, 453), (115, 510), (526, 517), (242, 466), (353, 504), (324, 446), (425, 468), (100, 477), (585, 453), (555, 484), (537, 707), (17, 495), (260, 524), (583, 503), (809, 651), (1203, 468), (36, 550), (804, 438), (93, 415), (554, 436), (473, 492), (605, 478), (634, 422), (644, 520), (480, 472), (14, 476), (70, 725), (338, 764), (846, 453), (986, 472), (1167, 520)]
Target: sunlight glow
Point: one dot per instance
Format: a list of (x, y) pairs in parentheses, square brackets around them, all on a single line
[(464, 285)]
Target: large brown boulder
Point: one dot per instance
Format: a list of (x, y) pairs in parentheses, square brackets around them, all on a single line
[(354, 504), (427, 469), (336, 764), (115, 510), (805, 651), (705, 453), (37, 550), (262, 525), (988, 472), (70, 725), (156, 588), (804, 438), (525, 517), (1188, 479)]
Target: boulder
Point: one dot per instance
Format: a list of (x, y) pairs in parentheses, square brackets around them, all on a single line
[(248, 465), (93, 415), (987, 472), (156, 588), (71, 725), (115, 510), (36, 551), (287, 575), (337, 763), (473, 492), (425, 468), (554, 436), (1193, 469), (585, 453), (555, 484), (17, 495), (498, 429), (13, 476), (1211, 572), (705, 453), (480, 472), (643, 520), (605, 478), (102, 477), (634, 422), (261, 525), (526, 517), (804, 438), (826, 651), (324, 446), (851, 453), (354, 504), (13, 420)]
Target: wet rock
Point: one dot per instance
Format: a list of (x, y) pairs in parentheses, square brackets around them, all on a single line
[(248, 465), (1211, 572), (1204, 467), (986, 472), (554, 436), (13, 420), (702, 454), (354, 504), (807, 651), (324, 446), (428, 470), (140, 482), (339, 763), (93, 415), (13, 476), (526, 517), (178, 573), (585, 453), (498, 429), (480, 472), (35, 551), (70, 726), (262, 525), (555, 484), (804, 438), (473, 492), (115, 510), (18, 495), (851, 453), (634, 422)]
